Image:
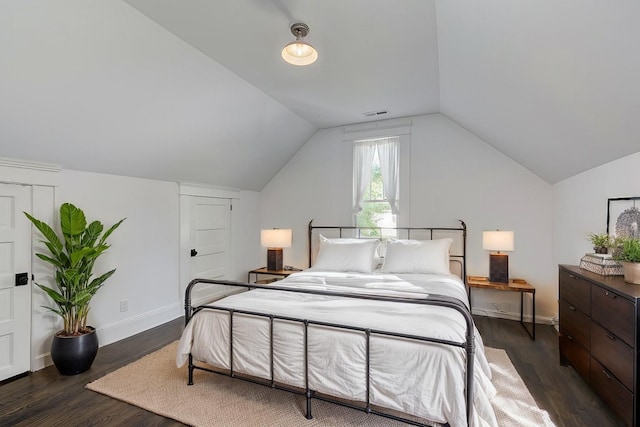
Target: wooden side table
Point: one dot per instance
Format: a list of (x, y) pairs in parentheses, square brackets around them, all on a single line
[(514, 285), (260, 271)]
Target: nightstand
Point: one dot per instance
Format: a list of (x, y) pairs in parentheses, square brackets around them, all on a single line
[(264, 271), (514, 285)]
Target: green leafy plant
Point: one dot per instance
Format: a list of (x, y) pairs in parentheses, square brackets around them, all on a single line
[(630, 251), (599, 240), (73, 257), (615, 247)]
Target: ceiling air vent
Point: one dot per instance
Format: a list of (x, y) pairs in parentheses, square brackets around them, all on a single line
[(376, 113)]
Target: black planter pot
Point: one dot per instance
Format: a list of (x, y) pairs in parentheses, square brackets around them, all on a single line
[(74, 355)]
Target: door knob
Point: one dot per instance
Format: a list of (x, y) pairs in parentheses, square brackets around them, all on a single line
[(22, 279), (194, 252)]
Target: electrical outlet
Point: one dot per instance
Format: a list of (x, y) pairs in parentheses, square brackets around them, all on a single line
[(124, 305)]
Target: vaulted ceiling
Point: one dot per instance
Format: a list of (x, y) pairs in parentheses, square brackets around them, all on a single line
[(195, 90)]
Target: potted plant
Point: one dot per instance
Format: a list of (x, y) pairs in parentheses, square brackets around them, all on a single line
[(600, 242), (615, 247), (629, 255), (73, 256)]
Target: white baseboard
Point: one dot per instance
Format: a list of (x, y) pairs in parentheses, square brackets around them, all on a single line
[(134, 325), (123, 329), (543, 320), (41, 361)]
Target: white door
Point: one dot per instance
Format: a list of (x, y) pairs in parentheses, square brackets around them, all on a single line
[(209, 250), (15, 290)]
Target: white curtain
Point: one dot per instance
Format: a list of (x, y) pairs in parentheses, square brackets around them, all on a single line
[(388, 155), (363, 153)]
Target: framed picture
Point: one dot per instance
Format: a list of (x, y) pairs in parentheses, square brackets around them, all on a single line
[(623, 217)]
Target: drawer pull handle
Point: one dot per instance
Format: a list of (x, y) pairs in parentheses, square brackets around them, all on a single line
[(571, 276), (569, 337), (572, 308), (609, 294), (607, 374), (611, 337)]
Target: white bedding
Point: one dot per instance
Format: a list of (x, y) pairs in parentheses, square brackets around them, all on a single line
[(422, 379)]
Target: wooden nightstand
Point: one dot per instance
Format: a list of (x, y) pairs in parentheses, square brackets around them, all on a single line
[(514, 285), (264, 271)]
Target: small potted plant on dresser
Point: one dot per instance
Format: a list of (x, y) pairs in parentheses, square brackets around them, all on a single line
[(603, 261), (73, 256), (600, 242), (629, 255)]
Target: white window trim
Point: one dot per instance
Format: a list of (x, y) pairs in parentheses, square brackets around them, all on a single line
[(377, 130)]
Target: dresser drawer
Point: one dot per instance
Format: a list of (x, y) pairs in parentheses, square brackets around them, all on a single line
[(612, 392), (575, 354), (575, 323), (576, 290), (614, 313), (613, 354)]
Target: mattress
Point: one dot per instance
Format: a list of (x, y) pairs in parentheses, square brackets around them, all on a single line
[(422, 379)]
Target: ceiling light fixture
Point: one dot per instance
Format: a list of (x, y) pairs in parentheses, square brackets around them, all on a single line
[(299, 52)]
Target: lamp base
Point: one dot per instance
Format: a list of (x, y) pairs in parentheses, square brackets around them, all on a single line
[(499, 268), (274, 259)]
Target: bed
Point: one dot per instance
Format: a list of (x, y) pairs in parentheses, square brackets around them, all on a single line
[(377, 323)]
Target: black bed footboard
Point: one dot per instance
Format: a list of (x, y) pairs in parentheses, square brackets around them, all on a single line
[(434, 300)]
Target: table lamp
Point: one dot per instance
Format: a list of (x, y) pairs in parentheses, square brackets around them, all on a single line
[(275, 239), (498, 262)]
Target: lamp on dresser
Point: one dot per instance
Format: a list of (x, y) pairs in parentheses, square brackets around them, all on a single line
[(274, 240), (498, 241)]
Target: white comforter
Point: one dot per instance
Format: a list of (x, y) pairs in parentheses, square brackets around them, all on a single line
[(426, 380)]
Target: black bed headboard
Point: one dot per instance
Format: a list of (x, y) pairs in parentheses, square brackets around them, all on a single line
[(458, 253)]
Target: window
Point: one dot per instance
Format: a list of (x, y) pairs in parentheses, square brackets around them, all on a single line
[(375, 182)]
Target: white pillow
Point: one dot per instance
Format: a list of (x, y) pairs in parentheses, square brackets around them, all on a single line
[(417, 256), (346, 255)]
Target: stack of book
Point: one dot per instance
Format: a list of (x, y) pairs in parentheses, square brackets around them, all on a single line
[(601, 264)]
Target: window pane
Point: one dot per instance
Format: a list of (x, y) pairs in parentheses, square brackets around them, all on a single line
[(376, 214), (375, 189), (377, 192), (376, 210)]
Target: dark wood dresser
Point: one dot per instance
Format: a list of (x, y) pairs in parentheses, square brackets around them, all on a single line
[(599, 336)]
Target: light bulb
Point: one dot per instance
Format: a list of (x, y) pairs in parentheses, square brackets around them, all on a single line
[(299, 53)]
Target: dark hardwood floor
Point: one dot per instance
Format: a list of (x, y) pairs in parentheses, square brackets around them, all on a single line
[(45, 398), (557, 389)]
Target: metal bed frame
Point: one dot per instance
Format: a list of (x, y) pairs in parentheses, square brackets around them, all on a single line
[(436, 300)]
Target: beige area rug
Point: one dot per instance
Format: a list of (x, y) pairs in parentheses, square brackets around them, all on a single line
[(155, 384)]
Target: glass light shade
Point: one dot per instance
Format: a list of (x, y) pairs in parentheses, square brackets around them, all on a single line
[(299, 52), (276, 238), (498, 240)]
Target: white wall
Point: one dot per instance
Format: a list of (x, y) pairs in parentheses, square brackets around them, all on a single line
[(580, 205), (454, 175), (43, 322), (245, 235), (144, 249)]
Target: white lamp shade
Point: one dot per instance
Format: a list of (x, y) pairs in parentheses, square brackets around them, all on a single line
[(498, 240), (276, 238), (299, 52)]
